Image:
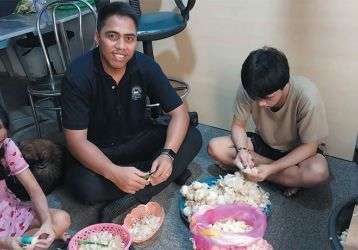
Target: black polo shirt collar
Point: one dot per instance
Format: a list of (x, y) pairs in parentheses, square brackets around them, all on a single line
[(114, 113), (132, 66)]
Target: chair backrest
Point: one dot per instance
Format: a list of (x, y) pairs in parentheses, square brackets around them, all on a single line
[(184, 10), (55, 14)]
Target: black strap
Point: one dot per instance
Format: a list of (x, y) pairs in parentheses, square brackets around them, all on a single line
[(185, 10), (136, 6)]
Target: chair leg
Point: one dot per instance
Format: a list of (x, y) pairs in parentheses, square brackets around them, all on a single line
[(148, 48), (4, 57), (34, 114), (59, 119), (58, 114)]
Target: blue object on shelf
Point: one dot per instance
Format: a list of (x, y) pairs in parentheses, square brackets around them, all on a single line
[(4, 43)]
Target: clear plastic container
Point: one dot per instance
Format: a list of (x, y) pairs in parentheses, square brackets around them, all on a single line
[(39, 5)]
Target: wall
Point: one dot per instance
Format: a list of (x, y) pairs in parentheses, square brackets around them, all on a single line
[(319, 38)]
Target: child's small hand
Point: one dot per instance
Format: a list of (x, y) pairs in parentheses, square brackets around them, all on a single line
[(14, 244), (45, 235)]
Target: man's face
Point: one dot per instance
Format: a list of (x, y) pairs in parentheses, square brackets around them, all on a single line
[(272, 100), (117, 41)]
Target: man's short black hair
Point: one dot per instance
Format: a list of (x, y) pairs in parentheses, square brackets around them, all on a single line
[(264, 71), (115, 9)]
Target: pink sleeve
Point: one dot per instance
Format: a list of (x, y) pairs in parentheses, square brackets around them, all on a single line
[(13, 157)]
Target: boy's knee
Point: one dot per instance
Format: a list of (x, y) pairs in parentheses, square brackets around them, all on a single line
[(321, 173), (219, 150), (212, 148), (319, 169)]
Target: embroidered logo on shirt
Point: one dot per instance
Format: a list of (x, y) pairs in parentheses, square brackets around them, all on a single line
[(136, 93)]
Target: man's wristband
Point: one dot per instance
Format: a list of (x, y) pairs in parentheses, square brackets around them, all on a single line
[(169, 152)]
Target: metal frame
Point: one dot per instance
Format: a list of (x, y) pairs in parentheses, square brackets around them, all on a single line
[(51, 89), (148, 45), (56, 4), (184, 86)]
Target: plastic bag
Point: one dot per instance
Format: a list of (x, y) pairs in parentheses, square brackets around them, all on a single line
[(25, 7), (204, 238)]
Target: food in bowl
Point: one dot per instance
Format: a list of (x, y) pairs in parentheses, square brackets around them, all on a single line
[(101, 241), (233, 188), (101, 236), (144, 221), (231, 226), (143, 228)]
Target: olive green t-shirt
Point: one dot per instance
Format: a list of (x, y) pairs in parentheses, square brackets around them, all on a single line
[(302, 119)]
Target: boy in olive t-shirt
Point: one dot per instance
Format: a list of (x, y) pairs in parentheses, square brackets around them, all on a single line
[(290, 122)]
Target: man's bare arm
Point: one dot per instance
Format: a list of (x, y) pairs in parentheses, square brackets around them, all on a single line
[(177, 128), (162, 166), (87, 153)]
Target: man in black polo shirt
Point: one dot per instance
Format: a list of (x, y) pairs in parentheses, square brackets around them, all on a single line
[(108, 128)]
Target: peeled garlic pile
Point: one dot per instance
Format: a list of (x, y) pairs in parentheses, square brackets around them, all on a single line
[(230, 189)]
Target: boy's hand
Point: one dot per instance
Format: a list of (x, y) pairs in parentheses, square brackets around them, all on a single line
[(243, 159), (259, 173)]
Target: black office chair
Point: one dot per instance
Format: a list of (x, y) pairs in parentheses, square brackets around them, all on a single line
[(158, 25)]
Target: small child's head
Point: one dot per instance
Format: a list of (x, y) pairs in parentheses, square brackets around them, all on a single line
[(46, 164), (264, 75)]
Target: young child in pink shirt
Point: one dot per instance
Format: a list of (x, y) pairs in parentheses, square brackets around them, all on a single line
[(16, 217)]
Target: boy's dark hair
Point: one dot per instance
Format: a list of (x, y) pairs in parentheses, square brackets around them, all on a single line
[(264, 71), (4, 117), (115, 9)]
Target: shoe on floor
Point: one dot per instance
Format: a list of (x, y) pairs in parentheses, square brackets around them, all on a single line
[(181, 179), (117, 207)]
